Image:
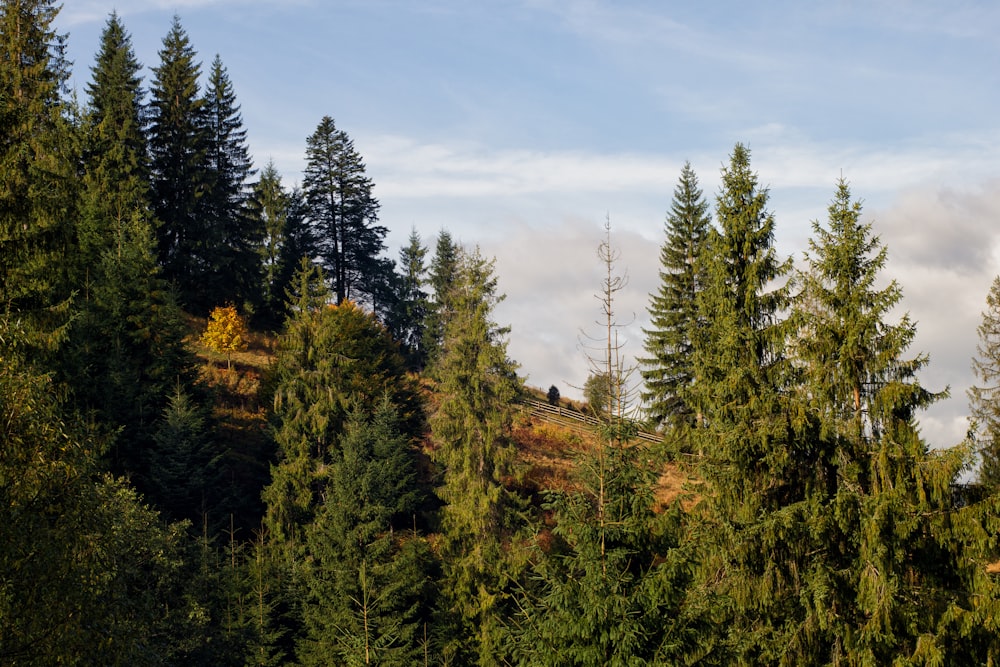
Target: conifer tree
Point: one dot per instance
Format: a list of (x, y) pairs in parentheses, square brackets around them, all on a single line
[(607, 591), (673, 309), (984, 399), (897, 561), (231, 235), (115, 156), (440, 278), (411, 313), (343, 213), (37, 177), (330, 357), (269, 208), (367, 583), (476, 382), (750, 447), (179, 146), (127, 350)]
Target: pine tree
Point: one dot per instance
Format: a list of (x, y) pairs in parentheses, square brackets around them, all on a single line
[(343, 213), (367, 583), (115, 159), (985, 400), (37, 177), (231, 236), (179, 146), (179, 458), (608, 589), (476, 382), (673, 307)]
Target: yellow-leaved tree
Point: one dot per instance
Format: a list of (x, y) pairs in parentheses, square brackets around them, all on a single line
[(226, 332)]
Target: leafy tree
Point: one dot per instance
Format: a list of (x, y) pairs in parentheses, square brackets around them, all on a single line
[(343, 213), (553, 395), (673, 308), (90, 575), (37, 158), (226, 332), (230, 249), (367, 584), (476, 383), (179, 145), (985, 400)]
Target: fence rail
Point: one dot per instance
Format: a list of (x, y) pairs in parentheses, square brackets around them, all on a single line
[(556, 414)]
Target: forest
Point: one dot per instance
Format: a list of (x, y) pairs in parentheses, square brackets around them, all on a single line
[(234, 431)]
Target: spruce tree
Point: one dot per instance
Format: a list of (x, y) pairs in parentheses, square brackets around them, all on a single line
[(127, 350), (411, 313), (440, 278), (269, 209), (897, 559), (749, 441), (608, 588), (984, 399), (343, 213), (231, 236), (37, 176), (673, 308), (179, 146), (367, 583), (330, 357), (476, 383)]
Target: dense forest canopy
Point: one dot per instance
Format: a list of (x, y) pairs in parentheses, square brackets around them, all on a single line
[(236, 431)]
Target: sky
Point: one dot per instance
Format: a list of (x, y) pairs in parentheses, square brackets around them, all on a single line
[(522, 126)]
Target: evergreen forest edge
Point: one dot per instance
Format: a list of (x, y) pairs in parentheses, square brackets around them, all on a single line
[(355, 487)]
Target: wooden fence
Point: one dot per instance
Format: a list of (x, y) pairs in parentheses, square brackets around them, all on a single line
[(578, 421)]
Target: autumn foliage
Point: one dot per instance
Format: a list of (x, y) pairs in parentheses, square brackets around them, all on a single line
[(226, 332)]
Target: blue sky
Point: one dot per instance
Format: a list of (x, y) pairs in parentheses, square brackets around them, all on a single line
[(520, 125)]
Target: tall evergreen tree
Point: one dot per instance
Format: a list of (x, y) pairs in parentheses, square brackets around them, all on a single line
[(127, 344), (673, 308), (896, 561), (608, 589), (269, 208), (179, 146), (367, 584), (343, 213), (37, 175), (748, 436), (984, 398), (330, 357), (115, 158), (232, 236), (440, 278), (411, 312), (477, 383)]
